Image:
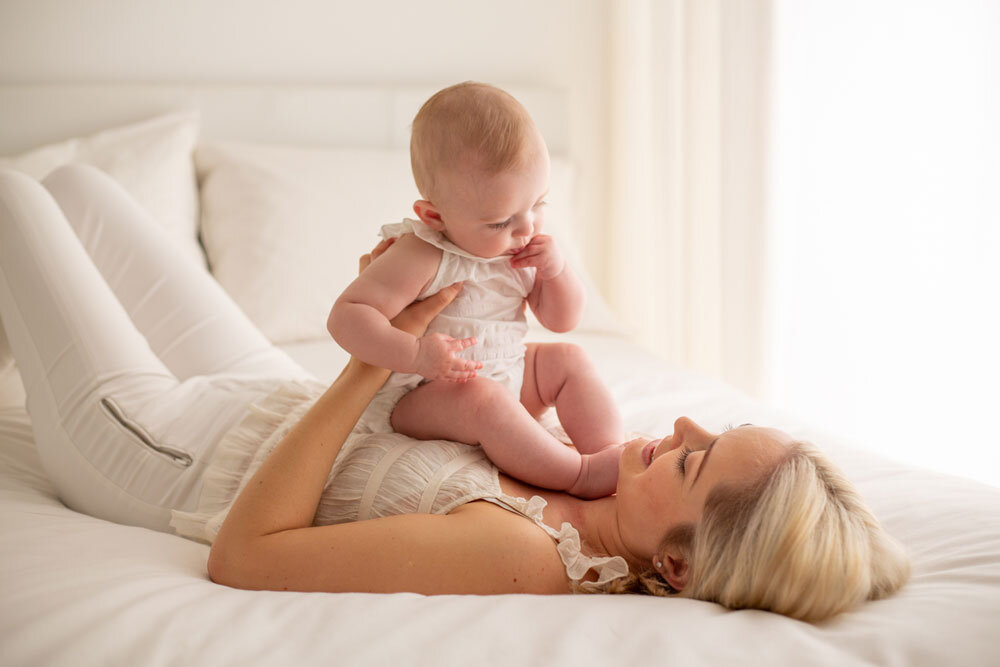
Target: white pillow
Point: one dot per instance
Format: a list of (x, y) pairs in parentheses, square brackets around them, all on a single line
[(152, 161), (283, 227)]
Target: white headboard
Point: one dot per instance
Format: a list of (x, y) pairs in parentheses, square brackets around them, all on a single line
[(315, 115)]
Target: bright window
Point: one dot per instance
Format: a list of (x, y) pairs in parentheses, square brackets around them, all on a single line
[(885, 280)]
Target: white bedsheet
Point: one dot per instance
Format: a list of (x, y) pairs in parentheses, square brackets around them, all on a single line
[(75, 590)]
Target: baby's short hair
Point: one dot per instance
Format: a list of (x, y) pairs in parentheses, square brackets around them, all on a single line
[(469, 125)]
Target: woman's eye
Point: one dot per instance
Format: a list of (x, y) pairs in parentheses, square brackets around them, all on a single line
[(499, 225), (682, 459)]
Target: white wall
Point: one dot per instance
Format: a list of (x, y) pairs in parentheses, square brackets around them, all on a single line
[(556, 43), (886, 239)]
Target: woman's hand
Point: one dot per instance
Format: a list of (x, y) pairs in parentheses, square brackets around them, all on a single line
[(415, 317)]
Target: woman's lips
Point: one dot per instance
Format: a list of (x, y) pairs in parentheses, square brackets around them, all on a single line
[(649, 450)]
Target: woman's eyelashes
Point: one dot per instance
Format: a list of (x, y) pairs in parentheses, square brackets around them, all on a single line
[(685, 451), (681, 459), (730, 427)]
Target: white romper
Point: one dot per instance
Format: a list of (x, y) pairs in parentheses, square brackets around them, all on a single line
[(375, 475), (489, 307)]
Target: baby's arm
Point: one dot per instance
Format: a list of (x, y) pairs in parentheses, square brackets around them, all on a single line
[(359, 319), (557, 298)]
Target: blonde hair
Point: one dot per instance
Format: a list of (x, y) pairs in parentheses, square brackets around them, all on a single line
[(800, 541), (469, 125)]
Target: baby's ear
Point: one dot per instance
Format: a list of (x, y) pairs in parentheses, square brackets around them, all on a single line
[(428, 214)]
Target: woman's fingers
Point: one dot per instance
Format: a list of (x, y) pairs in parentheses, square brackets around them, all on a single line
[(382, 247), (364, 262), (415, 317), (430, 307), (444, 296)]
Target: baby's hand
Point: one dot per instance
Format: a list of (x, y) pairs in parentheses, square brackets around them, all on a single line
[(543, 254), (437, 358)]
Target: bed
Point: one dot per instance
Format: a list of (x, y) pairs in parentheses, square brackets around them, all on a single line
[(288, 185)]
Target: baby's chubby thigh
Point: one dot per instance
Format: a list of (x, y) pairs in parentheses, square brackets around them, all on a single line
[(458, 411)]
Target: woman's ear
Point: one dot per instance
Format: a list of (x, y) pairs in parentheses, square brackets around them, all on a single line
[(428, 214), (674, 569)]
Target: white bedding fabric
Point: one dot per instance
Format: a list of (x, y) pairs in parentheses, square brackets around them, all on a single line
[(75, 590)]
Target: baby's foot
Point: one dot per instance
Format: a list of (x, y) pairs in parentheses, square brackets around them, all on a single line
[(598, 473)]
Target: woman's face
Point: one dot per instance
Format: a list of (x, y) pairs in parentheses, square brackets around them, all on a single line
[(664, 483)]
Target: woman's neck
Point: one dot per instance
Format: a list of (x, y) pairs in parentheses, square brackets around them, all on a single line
[(596, 520)]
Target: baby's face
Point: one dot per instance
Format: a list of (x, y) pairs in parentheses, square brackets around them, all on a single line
[(489, 215)]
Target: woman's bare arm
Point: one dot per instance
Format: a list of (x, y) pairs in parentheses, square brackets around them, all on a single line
[(286, 490), (477, 549), (268, 542)]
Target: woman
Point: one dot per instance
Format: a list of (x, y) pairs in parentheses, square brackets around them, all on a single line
[(165, 427)]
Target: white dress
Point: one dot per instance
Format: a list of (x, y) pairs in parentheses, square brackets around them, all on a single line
[(489, 307), (375, 475)]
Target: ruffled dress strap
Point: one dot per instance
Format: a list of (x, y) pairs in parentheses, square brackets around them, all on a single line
[(608, 568)]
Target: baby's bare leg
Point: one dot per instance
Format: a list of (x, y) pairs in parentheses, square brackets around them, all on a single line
[(561, 375), (482, 412)]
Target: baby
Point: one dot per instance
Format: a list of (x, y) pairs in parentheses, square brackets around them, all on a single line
[(482, 169)]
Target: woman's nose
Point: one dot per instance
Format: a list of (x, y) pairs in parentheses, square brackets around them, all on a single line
[(690, 434)]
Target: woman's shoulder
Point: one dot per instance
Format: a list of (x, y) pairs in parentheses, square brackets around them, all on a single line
[(516, 546)]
